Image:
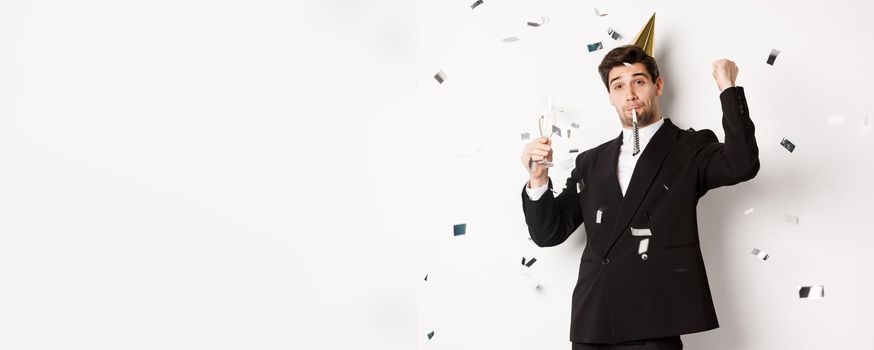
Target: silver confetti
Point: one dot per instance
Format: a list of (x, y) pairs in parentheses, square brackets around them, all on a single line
[(430, 335), (599, 13), (556, 130), (598, 216), (788, 145), (526, 136), (510, 39), (773, 56), (575, 125), (543, 20), (749, 211), (574, 150), (811, 292), (529, 263), (644, 245), (641, 232), (627, 64), (759, 253), (666, 187), (440, 76), (475, 4), (792, 219), (613, 34), (568, 133)]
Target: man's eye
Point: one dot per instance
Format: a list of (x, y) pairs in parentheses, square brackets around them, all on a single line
[(617, 86), (639, 82)]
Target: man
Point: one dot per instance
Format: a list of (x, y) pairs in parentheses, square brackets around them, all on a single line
[(642, 281)]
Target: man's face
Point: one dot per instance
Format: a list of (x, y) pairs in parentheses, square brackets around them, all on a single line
[(632, 87)]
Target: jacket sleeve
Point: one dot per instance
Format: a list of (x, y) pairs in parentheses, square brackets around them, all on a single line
[(736, 160), (551, 220)]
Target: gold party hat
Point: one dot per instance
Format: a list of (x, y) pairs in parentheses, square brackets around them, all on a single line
[(644, 38)]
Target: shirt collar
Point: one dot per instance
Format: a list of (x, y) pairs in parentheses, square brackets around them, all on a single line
[(646, 133)]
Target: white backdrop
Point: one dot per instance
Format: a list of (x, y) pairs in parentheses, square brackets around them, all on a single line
[(198, 174), (195, 174), (479, 296)]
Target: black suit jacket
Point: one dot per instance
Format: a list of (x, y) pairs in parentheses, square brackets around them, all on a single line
[(621, 295)]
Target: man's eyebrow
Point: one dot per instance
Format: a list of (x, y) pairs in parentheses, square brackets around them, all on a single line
[(633, 75)]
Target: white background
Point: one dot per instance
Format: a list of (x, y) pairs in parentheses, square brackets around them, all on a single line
[(281, 175), (478, 297), (207, 175)]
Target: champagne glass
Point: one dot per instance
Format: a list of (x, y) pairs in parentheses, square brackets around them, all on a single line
[(545, 124)]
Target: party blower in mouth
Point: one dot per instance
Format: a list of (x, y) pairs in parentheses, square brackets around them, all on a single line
[(636, 134)]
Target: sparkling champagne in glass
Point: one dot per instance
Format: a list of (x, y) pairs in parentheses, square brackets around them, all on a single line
[(545, 124)]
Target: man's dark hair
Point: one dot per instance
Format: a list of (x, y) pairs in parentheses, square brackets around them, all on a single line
[(630, 54)]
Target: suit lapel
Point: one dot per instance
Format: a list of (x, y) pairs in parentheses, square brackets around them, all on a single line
[(645, 171), (606, 166)]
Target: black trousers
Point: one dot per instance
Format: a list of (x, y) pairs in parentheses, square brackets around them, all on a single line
[(669, 343)]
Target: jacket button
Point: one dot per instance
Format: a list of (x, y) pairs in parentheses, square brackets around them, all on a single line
[(605, 261)]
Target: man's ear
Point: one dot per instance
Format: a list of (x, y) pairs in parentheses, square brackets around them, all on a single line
[(660, 84)]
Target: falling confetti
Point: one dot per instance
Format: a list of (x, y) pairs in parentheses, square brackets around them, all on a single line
[(644, 246), (595, 46), (440, 76), (529, 263), (510, 39), (613, 34), (477, 3), (556, 130), (749, 211), (459, 229), (811, 292), (574, 150), (526, 136), (773, 56), (575, 125), (792, 219), (788, 145), (641, 232), (759, 253), (599, 13), (543, 21), (431, 334)]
